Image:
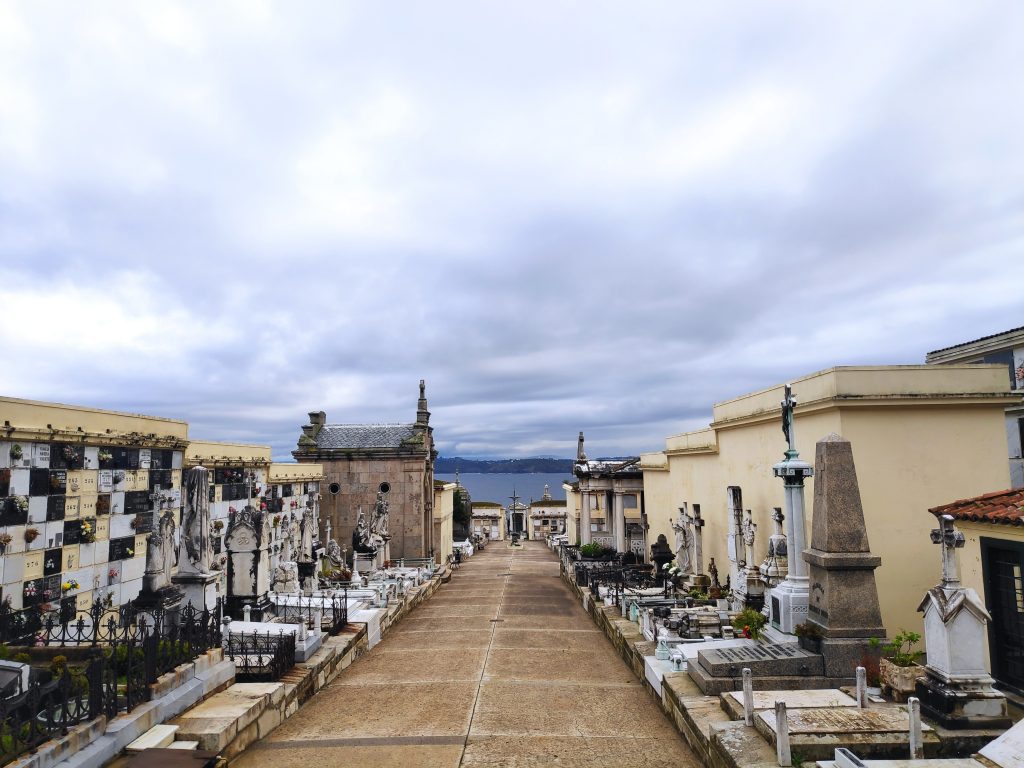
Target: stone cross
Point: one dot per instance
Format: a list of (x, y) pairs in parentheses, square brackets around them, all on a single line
[(778, 518), (951, 539), (698, 552), (735, 496)]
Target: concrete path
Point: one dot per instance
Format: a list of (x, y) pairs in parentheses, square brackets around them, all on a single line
[(502, 667)]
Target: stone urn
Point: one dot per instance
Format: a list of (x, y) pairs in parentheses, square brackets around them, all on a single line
[(899, 682)]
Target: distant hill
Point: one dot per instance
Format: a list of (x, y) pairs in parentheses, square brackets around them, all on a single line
[(447, 465)]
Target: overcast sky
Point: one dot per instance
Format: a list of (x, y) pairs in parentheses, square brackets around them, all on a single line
[(562, 215)]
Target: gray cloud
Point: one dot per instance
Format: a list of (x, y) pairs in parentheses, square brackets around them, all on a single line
[(603, 221)]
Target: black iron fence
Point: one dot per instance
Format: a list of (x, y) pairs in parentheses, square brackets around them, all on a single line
[(328, 614), (124, 656), (261, 657)]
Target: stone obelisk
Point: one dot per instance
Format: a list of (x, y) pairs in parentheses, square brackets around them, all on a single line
[(843, 598)]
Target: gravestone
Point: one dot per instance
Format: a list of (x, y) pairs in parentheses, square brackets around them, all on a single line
[(661, 555), (247, 542), (195, 577), (157, 590), (775, 565), (958, 689), (843, 602)]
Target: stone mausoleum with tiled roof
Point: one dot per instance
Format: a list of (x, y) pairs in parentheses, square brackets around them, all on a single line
[(360, 460)]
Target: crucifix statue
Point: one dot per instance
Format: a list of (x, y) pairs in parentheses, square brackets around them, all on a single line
[(788, 406), (698, 553), (951, 539)]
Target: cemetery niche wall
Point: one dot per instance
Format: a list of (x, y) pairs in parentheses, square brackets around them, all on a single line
[(80, 491)]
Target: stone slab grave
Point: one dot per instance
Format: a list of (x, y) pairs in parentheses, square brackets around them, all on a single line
[(1007, 751), (784, 666), (732, 701), (816, 732)]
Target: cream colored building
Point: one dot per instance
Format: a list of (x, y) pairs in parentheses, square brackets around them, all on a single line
[(546, 516), (444, 508), (921, 435), (488, 520), (1006, 349)]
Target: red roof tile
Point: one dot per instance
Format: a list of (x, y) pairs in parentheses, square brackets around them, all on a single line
[(1001, 507)]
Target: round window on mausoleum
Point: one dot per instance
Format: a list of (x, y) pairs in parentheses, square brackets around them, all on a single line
[(384, 487), (334, 488)]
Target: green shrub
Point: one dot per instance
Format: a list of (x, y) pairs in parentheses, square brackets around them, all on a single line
[(749, 620)]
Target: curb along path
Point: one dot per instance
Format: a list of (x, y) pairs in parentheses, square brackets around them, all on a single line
[(502, 667)]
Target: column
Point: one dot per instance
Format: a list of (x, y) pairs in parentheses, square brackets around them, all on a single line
[(584, 517), (619, 515)]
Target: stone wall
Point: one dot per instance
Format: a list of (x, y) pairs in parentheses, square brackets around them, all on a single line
[(358, 481)]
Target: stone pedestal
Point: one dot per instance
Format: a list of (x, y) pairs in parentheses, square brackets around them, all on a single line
[(167, 599), (199, 589)]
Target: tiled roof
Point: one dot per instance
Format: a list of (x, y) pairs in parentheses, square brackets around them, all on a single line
[(1000, 507), (343, 436), (975, 341)]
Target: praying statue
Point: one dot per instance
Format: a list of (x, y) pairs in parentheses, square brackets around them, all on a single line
[(161, 553)]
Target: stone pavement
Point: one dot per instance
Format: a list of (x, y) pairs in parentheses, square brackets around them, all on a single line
[(500, 668)]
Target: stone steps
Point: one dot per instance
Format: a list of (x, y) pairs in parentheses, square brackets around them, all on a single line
[(158, 736)]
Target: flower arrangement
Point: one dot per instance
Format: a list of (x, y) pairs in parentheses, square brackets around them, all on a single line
[(31, 590), (70, 454), (17, 452), (113, 574), (136, 522), (22, 503), (751, 623), (218, 526), (31, 534), (277, 520), (69, 585), (5, 539), (232, 511), (106, 455), (129, 551), (88, 534)]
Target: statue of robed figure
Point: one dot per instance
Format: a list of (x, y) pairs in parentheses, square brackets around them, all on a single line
[(196, 520)]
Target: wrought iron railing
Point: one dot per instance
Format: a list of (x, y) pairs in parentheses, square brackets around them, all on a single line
[(127, 654), (261, 657), (331, 611)]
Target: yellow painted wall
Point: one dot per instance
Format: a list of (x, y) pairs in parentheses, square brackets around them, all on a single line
[(916, 442), (444, 510), (30, 420), (212, 451), (293, 472)]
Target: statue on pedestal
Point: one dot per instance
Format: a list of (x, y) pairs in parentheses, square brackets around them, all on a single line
[(684, 542), (196, 519)]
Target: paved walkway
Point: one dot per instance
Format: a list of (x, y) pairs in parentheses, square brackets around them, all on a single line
[(502, 667)]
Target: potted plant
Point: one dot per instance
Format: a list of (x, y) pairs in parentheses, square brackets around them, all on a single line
[(898, 668), (809, 636), (31, 534), (17, 452)]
